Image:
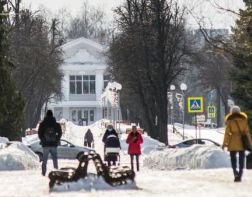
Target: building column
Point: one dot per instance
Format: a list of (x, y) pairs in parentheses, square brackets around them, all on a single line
[(98, 84), (66, 86), (99, 87)]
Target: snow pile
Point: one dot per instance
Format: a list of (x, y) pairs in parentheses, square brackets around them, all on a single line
[(17, 156), (90, 183), (30, 139), (194, 157), (3, 142), (62, 120), (147, 146), (121, 127)]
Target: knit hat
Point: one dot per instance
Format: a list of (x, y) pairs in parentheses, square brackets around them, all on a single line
[(235, 109), (49, 113)]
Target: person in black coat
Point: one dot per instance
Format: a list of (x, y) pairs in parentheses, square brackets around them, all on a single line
[(88, 138), (109, 131), (49, 133), (111, 145)]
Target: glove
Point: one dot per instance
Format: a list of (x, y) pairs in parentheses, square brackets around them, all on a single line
[(223, 147), (134, 139)]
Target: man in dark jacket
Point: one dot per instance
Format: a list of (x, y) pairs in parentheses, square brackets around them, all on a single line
[(49, 134), (88, 138)]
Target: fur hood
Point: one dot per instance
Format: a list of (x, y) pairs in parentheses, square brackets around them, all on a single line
[(234, 116)]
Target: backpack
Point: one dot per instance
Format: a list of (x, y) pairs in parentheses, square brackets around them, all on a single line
[(50, 135)]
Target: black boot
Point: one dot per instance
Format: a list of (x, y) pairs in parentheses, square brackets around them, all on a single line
[(236, 176)]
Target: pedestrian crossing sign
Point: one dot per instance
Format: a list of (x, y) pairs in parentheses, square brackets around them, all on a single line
[(195, 104)]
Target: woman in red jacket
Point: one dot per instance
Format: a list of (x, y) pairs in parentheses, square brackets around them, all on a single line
[(134, 140)]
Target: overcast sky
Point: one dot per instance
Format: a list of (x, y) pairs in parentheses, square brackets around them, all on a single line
[(199, 8)]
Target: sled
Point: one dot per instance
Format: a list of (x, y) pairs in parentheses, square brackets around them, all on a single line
[(114, 176)]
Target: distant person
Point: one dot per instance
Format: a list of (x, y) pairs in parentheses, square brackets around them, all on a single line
[(236, 122), (111, 145), (134, 140), (88, 138), (49, 133)]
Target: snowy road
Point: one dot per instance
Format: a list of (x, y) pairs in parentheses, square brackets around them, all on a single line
[(205, 183)]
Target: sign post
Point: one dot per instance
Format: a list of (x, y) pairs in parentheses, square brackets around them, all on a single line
[(195, 105)]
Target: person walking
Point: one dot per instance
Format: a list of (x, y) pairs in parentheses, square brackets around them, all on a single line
[(49, 133), (88, 138), (109, 131), (111, 145), (134, 140), (236, 125)]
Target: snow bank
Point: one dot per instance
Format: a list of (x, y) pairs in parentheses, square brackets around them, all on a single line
[(194, 157), (17, 156), (4, 140), (147, 146), (29, 139), (90, 183)]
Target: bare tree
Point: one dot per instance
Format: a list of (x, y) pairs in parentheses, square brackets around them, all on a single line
[(90, 24), (214, 66), (36, 60), (150, 47)]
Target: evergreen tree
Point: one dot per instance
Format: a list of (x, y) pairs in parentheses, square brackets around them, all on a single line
[(242, 71), (11, 104)]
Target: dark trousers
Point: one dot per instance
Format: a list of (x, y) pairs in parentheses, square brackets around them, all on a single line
[(113, 162), (54, 153), (132, 161), (234, 162), (88, 144)]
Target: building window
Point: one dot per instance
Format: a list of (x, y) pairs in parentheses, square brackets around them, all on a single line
[(82, 84), (106, 79), (91, 113), (73, 115)]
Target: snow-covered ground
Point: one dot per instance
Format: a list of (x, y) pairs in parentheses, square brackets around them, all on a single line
[(149, 181)]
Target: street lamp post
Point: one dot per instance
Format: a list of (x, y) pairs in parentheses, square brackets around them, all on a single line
[(183, 88), (172, 88)]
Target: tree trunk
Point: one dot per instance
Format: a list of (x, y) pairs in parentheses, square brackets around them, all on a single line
[(218, 108)]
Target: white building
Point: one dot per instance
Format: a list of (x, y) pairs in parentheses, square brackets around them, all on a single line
[(84, 80)]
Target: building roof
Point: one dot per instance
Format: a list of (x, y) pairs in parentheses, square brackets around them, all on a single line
[(83, 51)]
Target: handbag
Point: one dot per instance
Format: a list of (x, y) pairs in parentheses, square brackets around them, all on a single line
[(245, 140), (249, 161)]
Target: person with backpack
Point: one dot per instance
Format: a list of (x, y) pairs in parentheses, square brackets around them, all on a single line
[(49, 133), (134, 140), (111, 145), (88, 138)]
